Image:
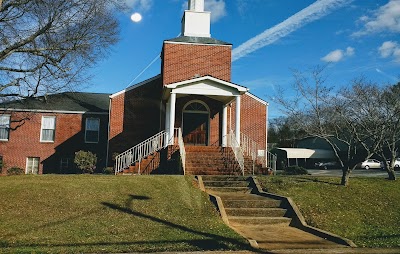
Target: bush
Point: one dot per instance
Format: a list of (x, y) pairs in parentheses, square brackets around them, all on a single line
[(108, 171), (295, 170), (15, 171), (86, 161)]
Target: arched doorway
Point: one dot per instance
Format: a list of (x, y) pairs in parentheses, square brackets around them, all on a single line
[(195, 122)]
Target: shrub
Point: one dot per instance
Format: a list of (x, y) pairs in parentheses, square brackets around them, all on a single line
[(86, 161), (15, 171), (295, 170), (108, 171)]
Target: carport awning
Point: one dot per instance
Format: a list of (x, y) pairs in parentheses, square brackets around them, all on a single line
[(302, 153)]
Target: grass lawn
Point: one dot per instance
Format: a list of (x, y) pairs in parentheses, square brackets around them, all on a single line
[(367, 211), (94, 213)]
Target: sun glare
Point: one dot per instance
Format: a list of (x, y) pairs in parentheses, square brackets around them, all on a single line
[(136, 17)]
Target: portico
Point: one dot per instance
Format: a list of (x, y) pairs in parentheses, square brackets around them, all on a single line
[(216, 89)]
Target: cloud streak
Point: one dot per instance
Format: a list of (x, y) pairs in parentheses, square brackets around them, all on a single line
[(311, 13)]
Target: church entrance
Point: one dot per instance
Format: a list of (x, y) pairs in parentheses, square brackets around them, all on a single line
[(196, 123)]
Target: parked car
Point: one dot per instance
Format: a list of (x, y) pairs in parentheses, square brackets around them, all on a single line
[(370, 163), (327, 165), (396, 164)]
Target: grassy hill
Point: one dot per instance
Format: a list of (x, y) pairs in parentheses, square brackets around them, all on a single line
[(367, 211), (89, 213)]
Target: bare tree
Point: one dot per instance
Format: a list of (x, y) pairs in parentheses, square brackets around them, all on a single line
[(47, 45), (343, 119)]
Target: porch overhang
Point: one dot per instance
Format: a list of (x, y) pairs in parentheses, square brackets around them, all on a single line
[(209, 86)]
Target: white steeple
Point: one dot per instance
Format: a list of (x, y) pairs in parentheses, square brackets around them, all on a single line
[(196, 5), (196, 22)]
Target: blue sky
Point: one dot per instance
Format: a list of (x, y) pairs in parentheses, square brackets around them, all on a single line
[(270, 38)]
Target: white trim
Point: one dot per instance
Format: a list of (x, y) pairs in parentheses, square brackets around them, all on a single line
[(135, 86), (53, 111), (41, 130), (256, 98), (194, 80), (9, 123), (200, 44), (26, 164)]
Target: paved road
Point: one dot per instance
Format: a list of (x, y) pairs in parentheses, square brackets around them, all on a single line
[(355, 173)]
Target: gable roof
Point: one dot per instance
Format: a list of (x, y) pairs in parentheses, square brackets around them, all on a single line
[(156, 79), (73, 102)]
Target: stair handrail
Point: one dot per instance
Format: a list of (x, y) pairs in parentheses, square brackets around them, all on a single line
[(182, 151), (237, 150), (140, 151)]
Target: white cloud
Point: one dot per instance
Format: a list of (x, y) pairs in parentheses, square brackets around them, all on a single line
[(141, 5), (217, 9), (311, 13), (384, 19), (334, 56), (390, 49), (338, 55), (349, 51)]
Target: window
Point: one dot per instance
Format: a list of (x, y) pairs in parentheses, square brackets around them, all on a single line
[(92, 130), (48, 129), (4, 127), (64, 164), (32, 165)]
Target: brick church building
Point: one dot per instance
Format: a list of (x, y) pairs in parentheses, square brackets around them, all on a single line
[(191, 108)]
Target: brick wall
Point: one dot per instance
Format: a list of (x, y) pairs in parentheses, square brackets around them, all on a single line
[(69, 137), (184, 61), (253, 119), (135, 116)]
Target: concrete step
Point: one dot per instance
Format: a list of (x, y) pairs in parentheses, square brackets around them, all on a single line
[(226, 183), (256, 212), (268, 203), (225, 178), (250, 220), (230, 189)]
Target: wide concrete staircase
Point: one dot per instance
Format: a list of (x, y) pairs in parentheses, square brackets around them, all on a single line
[(264, 221), (211, 160)]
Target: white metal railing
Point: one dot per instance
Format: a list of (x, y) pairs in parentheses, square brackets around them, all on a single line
[(140, 151), (182, 151), (251, 148), (237, 150)]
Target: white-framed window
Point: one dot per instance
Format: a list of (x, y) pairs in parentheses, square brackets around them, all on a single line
[(32, 165), (92, 130), (4, 127), (48, 129)]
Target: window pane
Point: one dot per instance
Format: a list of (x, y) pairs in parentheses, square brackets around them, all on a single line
[(92, 136), (48, 122), (3, 134), (92, 124), (47, 135)]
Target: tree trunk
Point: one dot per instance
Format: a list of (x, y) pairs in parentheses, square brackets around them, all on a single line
[(391, 174), (345, 176)]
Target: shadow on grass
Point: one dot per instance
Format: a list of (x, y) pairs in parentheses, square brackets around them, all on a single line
[(314, 179), (215, 242)]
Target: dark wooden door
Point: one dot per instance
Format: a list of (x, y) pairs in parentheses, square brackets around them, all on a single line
[(195, 128)]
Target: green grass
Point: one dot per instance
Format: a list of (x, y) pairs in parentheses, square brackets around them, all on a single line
[(87, 213), (367, 211)]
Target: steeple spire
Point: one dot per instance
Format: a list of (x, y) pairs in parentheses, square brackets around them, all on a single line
[(196, 5), (196, 22)]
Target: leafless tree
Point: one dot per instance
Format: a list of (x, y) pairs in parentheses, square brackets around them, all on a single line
[(349, 120), (46, 46)]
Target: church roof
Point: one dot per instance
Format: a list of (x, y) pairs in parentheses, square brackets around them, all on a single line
[(198, 40), (65, 102)]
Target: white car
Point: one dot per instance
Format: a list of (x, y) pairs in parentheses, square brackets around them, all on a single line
[(396, 163), (370, 163)]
